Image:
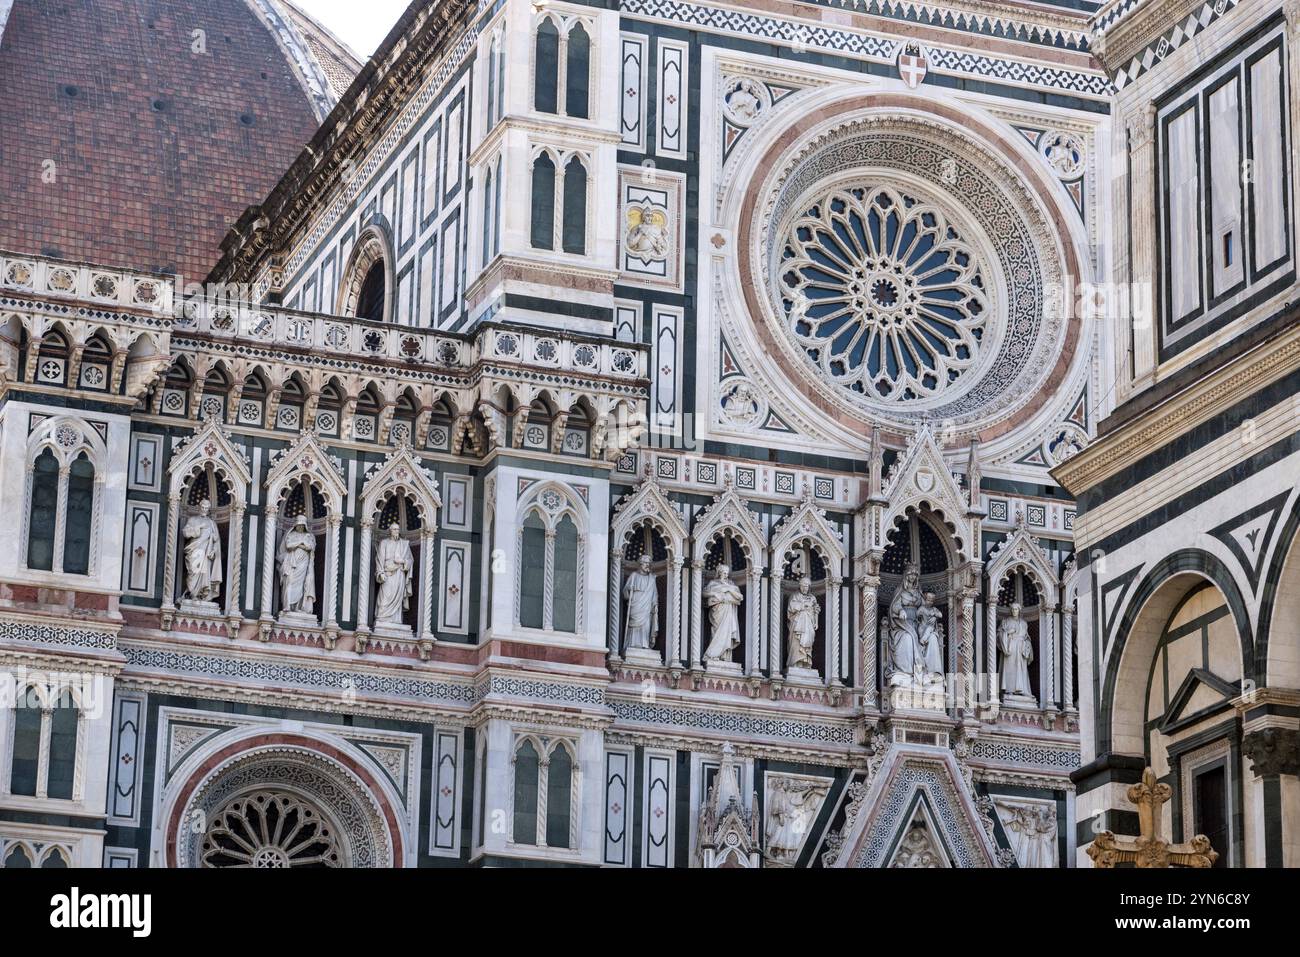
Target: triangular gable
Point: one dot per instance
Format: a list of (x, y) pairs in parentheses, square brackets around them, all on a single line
[(807, 521), (210, 444), (893, 798), (305, 457), (1021, 550), (907, 850), (729, 510), (401, 470), (648, 500), (1202, 693), (920, 475)]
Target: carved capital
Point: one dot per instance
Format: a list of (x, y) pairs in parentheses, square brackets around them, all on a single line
[(1273, 751)]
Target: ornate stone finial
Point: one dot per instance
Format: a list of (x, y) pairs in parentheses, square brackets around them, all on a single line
[(1149, 849), (877, 462), (973, 473)]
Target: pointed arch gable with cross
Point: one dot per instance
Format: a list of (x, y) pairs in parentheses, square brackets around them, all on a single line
[(729, 511), (306, 459), (210, 445), (401, 472), (922, 477)]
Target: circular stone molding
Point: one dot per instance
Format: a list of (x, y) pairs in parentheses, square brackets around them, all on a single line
[(237, 807), (903, 264)]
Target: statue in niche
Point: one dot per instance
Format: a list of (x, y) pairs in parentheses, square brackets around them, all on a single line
[(641, 593), (393, 564), (1017, 654), (801, 618), (929, 626), (912, 634), (297, 567), (723, 598), (202, 555)]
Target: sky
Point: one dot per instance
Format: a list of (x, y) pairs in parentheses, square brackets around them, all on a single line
[(361, 24)]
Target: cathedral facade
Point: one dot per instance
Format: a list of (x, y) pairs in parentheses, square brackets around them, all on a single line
[(679, 433)]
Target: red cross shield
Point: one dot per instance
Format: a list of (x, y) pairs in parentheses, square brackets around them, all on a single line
[(912, 65)]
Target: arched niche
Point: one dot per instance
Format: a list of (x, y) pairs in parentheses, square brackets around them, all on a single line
[(804, 544), (399, 491), (727, 532), (304, 482), (1020, 573), (646, 523)]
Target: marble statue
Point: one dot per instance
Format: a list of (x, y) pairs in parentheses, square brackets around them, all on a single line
[(912, 635), (1031, 832), (929, 626), (297, 569), (792, 804), (393, 564), (1017, 654), (723, 598), (202, 555), (801, 618), (641, 593)]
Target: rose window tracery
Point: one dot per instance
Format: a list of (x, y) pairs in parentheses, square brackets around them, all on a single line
[(270, 829), (884, 294)]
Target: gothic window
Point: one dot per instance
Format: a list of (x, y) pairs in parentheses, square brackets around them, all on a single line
[(559, 183), (491, 214), (329, 411), (559, 797), (544, 787), (542, 233), (61, 498), (365, 423), (288, 413), (77, 530), (546, 67), (52, 360), (43, 512), (551, 540), (575, 207), (25, 767), (63, 752), (271, 829), (370, 302), (213, 403), (577, 72), (55, 858), (562, 67), (252, 401), (173, 398), (366, 291), (17, 858), (49, 726), (534, 557), (96, 364), (527, 772), (495, 77), (883, 292)]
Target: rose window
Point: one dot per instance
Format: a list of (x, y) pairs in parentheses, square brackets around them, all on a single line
[(883, 293), (270, 829)]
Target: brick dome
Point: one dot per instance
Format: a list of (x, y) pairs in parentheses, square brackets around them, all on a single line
[(137, 131)]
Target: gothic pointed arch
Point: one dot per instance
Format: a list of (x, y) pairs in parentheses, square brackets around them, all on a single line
[(306, 460), (920, 479), (369, 278), (647, 505), (728, 511)]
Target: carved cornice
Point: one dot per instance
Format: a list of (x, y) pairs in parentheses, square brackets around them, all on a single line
[(1111, 454)]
